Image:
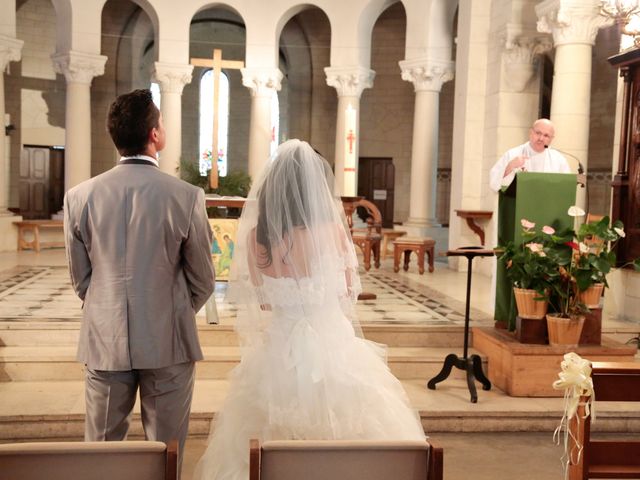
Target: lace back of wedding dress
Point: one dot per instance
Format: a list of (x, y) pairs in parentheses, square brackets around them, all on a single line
[(292, 227)]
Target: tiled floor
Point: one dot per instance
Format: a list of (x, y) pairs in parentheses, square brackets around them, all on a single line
[(45, 293)]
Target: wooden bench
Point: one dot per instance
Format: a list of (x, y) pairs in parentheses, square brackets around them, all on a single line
[(345, 460), (34, 227), (612, 382), (389, 235), (130, 460), (407, 245)]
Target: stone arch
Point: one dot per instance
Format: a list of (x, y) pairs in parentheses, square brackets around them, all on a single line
[(218, 25), (367, 19), (292, 12), (386, 109), (304, 45)]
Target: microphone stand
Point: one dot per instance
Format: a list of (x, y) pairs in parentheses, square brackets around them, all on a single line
[(583, 183)]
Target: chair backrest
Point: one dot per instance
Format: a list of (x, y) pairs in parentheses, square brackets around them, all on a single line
[(345, 460), (612, 382), (374, 223), (135, 460)]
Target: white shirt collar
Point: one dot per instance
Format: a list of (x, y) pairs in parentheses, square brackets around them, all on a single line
[(142, 157)]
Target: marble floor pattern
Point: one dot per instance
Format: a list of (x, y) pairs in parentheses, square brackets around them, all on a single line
[(45, 294)]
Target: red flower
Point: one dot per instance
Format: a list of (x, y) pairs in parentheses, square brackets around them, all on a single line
[(573, 245)]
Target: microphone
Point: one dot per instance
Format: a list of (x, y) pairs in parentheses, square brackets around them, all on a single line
[(580, 166)]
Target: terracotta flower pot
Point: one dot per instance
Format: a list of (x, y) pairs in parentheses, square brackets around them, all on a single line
[(591, 296), (564, 331), (528, 306)]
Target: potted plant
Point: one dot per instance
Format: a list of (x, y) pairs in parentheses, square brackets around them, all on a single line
[(582, 262), (597, 257), (235, 183), (528, 268)]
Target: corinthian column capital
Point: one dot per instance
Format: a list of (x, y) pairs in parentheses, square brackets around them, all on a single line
[(521, 49), (262, 82), (172, 77), (79, 67), (571, 21), (349, 81), (427, 74), (10, 51)]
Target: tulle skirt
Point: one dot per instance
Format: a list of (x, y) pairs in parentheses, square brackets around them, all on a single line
[(308, 380)]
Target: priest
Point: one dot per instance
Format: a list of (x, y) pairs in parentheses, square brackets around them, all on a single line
[(532, 156)]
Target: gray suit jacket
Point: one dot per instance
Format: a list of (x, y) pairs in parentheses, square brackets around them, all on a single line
[(139, 249)]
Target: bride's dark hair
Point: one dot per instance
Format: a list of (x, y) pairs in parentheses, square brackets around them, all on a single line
[(286, 178)]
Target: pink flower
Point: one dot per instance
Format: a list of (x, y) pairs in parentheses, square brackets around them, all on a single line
[(548, 230), (535, 247), (526, 224)]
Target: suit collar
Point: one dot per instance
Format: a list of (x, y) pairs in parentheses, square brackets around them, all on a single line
[(139, 160)]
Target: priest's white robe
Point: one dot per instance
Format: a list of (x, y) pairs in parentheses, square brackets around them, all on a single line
[(547, 161)]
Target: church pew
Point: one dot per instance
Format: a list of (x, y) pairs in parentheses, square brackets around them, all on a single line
[(612, 382)]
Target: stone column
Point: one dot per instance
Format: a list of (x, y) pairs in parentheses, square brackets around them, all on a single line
[(427, 76), (10, 51), (78, 69), (171, 77), (263, 83), (349, 83), (574, 25)]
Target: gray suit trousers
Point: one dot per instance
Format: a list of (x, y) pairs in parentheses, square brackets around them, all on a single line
[(165, 401)]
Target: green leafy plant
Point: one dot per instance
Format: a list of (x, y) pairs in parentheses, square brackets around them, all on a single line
[(527, 265), (235, 184), (561, 265)]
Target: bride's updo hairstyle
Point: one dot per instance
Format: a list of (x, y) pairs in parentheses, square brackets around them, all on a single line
[(295, 193)]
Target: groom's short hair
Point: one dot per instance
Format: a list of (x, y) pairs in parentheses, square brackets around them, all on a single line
[(130, 119)]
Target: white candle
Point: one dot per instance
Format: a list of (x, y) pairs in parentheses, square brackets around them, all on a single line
[(350, 152)]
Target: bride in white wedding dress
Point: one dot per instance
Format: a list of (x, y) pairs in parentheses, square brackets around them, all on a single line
[(306, 372)]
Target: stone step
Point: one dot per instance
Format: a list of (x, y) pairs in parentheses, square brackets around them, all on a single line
[(35, 363), (55, 410), (56, 333)]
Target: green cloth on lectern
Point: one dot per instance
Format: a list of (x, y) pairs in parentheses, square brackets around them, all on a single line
[(541, 198)]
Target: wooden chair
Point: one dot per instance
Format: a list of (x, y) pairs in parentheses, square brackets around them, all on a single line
[(345, 460), (612, 382), (139, 460), (369, 239)]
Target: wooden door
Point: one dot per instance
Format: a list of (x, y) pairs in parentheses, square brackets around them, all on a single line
[(34, 182), (56, 179), (376, 179)]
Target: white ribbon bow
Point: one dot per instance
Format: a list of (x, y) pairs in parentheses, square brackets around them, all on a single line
[(575, 380)]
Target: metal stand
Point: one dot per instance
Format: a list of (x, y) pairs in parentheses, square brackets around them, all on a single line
[(473, 364)]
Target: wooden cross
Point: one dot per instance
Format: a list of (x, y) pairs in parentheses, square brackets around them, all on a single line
[(217, 64), (351, 138)]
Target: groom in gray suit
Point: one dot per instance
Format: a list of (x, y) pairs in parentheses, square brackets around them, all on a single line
[(138, 243)]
